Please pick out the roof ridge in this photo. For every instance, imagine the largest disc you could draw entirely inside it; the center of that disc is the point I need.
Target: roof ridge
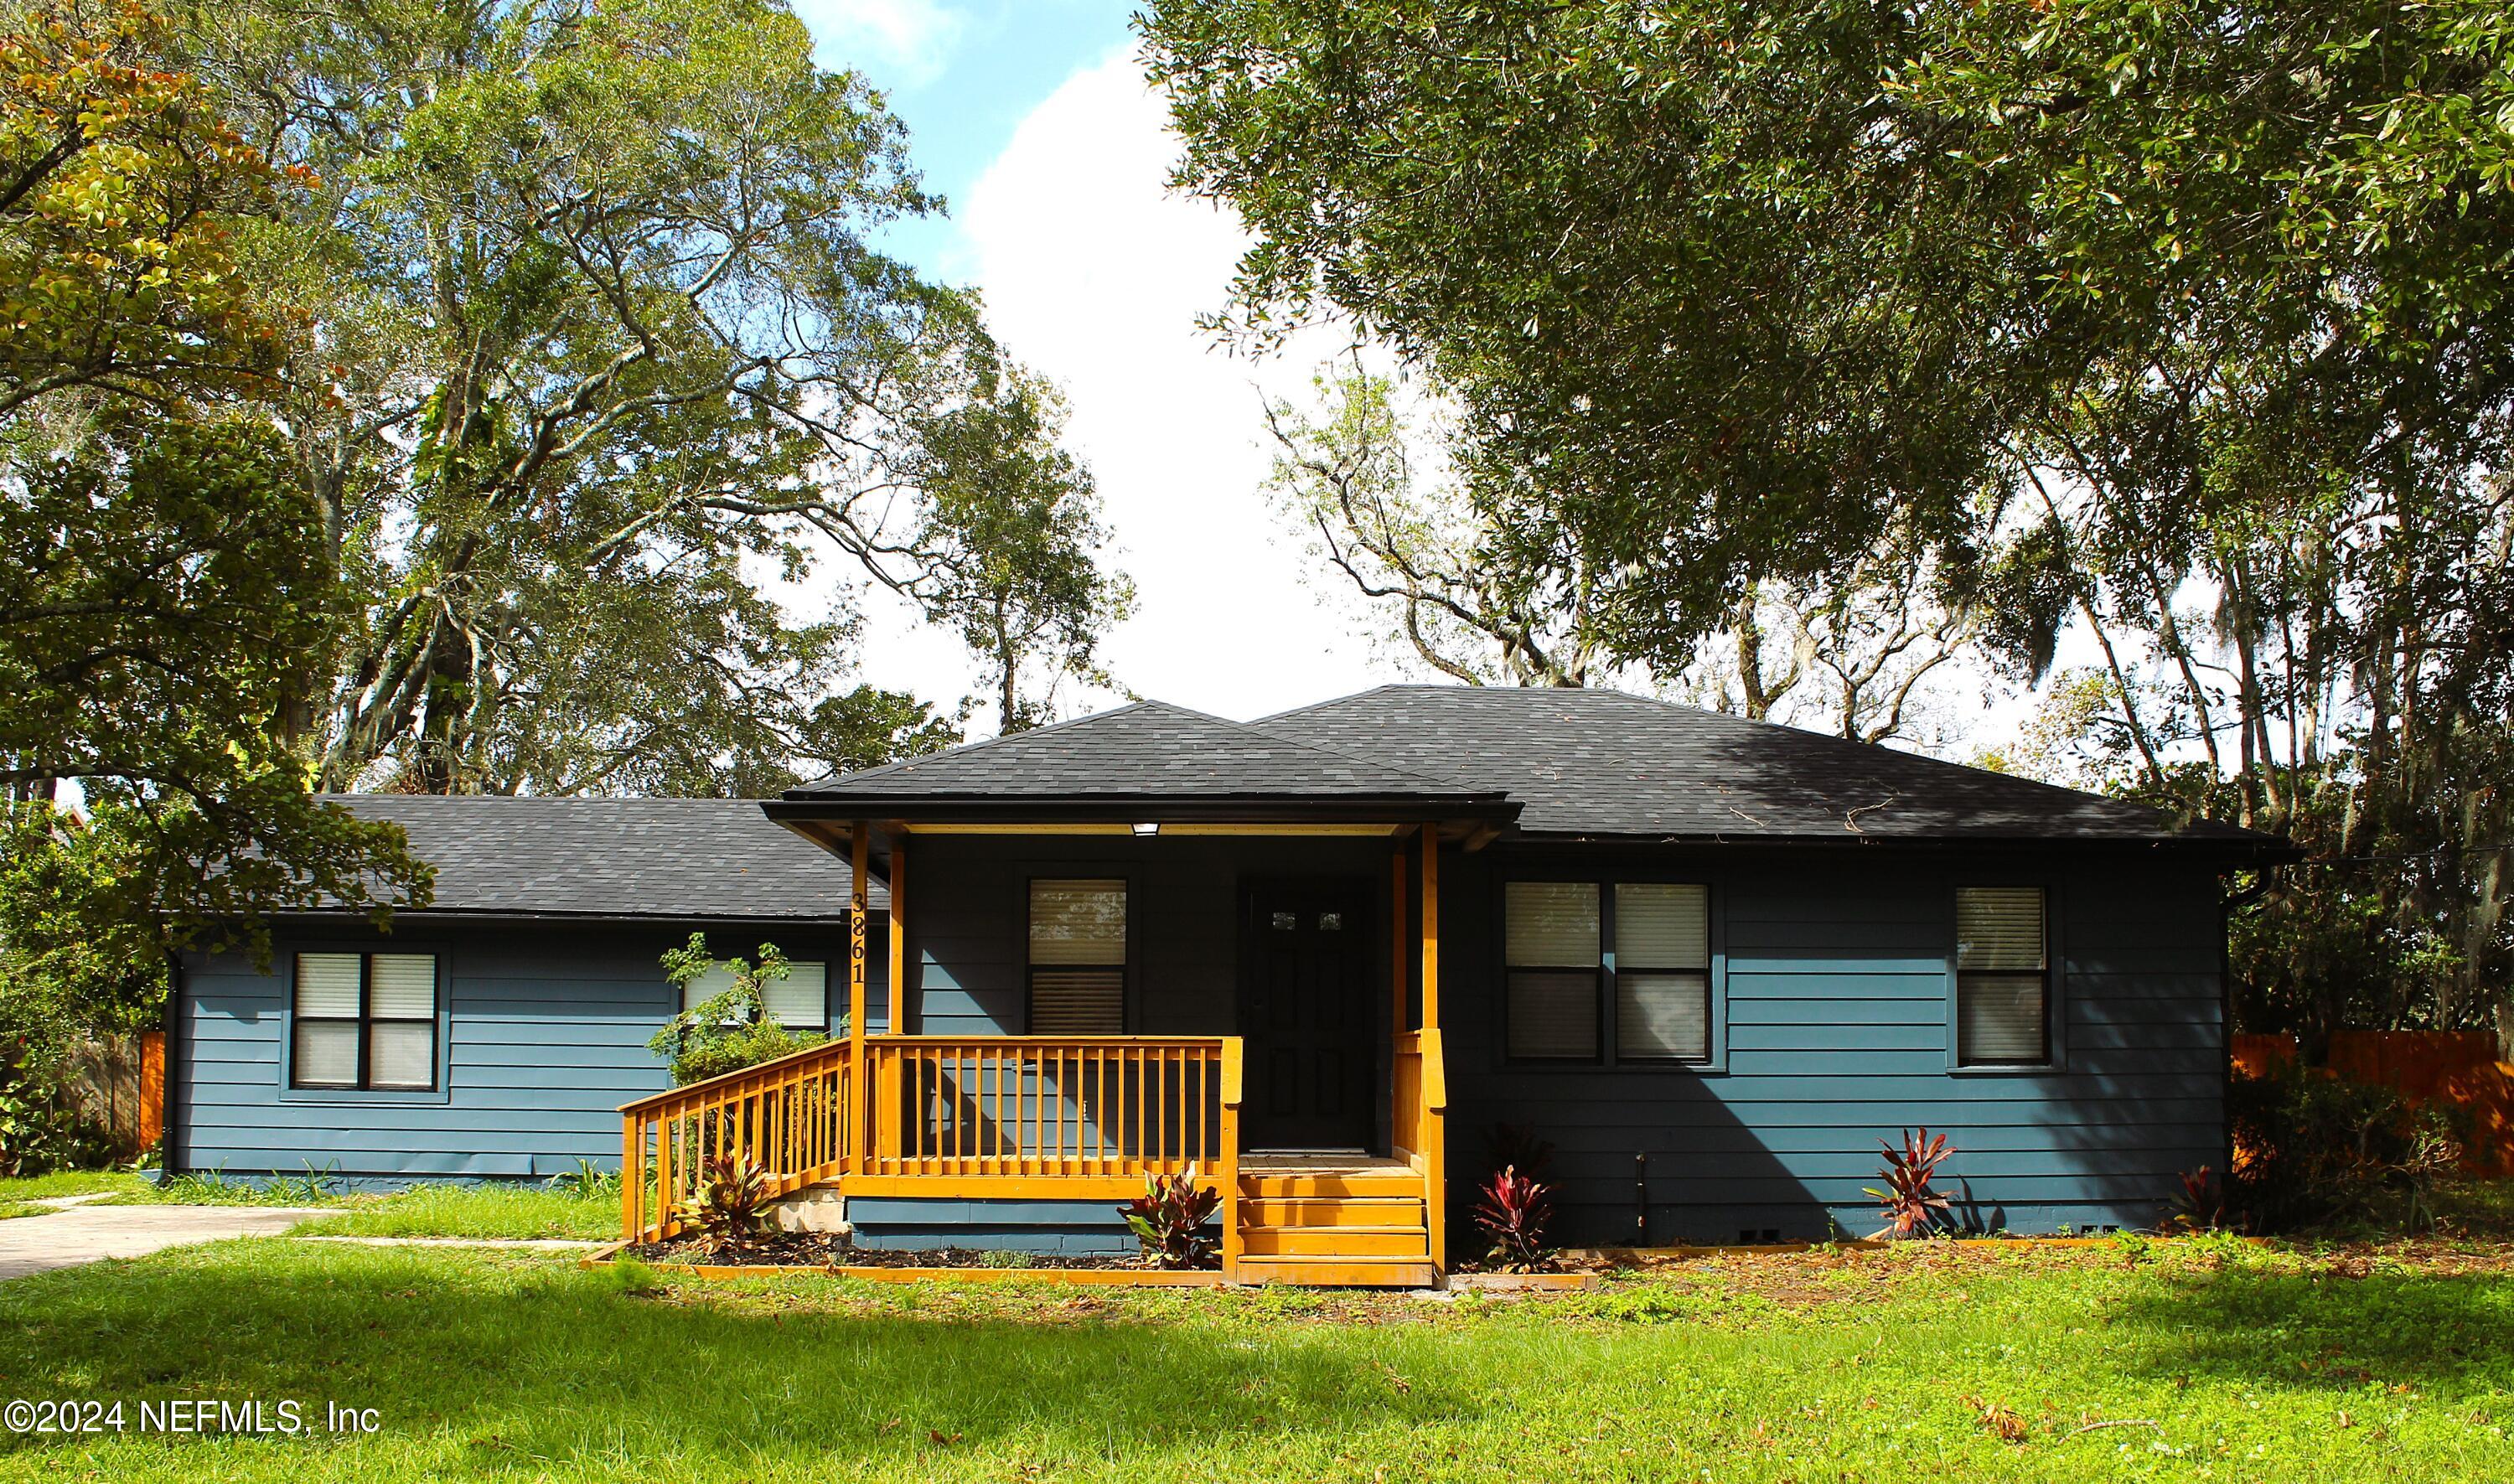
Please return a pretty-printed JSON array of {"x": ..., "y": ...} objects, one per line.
[
  {"x": 1240, "y": 730},
  {"x": 983, "y": 743}
]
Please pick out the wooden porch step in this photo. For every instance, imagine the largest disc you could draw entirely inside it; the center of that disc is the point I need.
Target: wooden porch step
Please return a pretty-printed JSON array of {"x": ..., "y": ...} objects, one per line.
[
  {"x": 1331, "y": 1211},
  {"x": 1338, "y": 1272},
  {"x": 1337, "y": 1242},
  {"x": 1351, "y": 1185}
]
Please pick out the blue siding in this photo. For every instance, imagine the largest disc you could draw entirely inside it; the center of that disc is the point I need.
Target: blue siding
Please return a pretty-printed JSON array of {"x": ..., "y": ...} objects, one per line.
[
  {"x": 1834, "y": 973},
  {"x": 1038, "y": 1227},
  {"x": 1837, "y": 983},
  {"x": 545, "y": 1036}
]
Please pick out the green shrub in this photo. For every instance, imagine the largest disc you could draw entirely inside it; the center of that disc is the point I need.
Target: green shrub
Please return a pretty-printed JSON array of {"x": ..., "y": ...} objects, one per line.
[
  {"x": 2316, "y": 1151},
  {"x": 729, "y": 1031}
]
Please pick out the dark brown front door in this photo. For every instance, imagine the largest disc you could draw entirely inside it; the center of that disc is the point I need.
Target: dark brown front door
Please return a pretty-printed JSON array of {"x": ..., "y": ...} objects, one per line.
[{"x": 1306, "y": 1003}]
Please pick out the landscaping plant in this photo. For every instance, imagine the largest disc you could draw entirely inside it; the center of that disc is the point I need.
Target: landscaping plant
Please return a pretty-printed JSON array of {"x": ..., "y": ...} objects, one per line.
[
  {"x": 2312, "y": 1149},
  {"x": 1515, "y": 1210},
  {"x": 1170, "y": 1219},
  {"x": 1914, "y": 1205},
  {"x": 2201, "y": 1205},
  {"x": 731, "y": 1209},
  {"x": 728, "y": 1031}
]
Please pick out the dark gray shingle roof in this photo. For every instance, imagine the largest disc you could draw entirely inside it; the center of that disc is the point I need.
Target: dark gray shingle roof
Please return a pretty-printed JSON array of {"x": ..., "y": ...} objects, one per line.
[
  {"x": 1598, "y": 762},
  {"x": 1148, "y": 750},
  {"x": 614, "y": 857}
]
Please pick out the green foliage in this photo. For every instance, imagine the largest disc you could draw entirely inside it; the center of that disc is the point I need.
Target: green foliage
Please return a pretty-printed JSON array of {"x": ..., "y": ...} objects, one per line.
[
  {"x": 157, "y": 582},
  {"x": 2184, "y": 324},
  {"x": 120, "y": 189},
  {"x": 729, "y": 1030},
  {"x": 1009, "y": 533},
  {"x": 39, "y": 1131},
  {"x": 2315, "y": 1150},
  {"x": 606, "y": 345},
  {"x": 1169, "y": 1219}
]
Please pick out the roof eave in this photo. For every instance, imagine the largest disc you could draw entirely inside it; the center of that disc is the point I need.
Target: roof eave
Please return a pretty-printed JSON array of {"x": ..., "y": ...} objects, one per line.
[
  {"x": 2261, "y": 850},
  {"x": 1128, "y": 809}
]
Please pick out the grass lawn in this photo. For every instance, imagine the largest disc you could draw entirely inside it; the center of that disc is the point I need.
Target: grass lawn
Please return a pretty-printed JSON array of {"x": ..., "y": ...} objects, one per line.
[
  {"x": 2251, "y": 1365},
  {"x": 475, "y": 1210},
  {"x": 75, "y": 1183}
]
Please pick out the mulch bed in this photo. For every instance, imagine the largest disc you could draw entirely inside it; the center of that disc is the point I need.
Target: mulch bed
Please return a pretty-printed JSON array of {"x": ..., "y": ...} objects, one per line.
[{"x": 812, "y": 1249}]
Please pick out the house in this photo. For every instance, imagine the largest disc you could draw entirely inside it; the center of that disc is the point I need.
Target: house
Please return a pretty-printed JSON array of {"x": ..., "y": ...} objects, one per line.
[{"x": 1320, "y": 956}]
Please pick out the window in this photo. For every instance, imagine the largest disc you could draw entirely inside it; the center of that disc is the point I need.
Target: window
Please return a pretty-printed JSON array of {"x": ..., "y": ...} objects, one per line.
[
  {"x": 365, "y": 1021},
  {"x": 2002, "y": 978},
  {"x": 800, "y": 1001},
  {"x": 1551, "y": 960},
  {"x": 1662, "y": 973},
  {"x": 1078, "y": 958}
]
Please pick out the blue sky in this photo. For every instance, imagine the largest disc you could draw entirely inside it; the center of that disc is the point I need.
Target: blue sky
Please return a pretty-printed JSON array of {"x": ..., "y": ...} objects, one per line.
[{"x": 963, "y": 77}]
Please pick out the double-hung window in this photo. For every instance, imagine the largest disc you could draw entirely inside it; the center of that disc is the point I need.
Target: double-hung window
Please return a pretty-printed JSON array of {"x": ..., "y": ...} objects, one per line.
[
  {"x": 2003, "y": 977},
  {"x": 1078, "y": 957},
  {"x": 1581, "y": 955},
  {"x": 364, "y": 1022},
  {"x": 800, "y": 1001},
  {"x": 1662, "y": 972}
]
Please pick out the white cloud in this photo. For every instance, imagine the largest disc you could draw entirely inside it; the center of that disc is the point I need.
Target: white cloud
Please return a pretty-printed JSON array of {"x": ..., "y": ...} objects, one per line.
[
  {"x": 895, "y": 43},
  {"x": 1094, "y": 273}
]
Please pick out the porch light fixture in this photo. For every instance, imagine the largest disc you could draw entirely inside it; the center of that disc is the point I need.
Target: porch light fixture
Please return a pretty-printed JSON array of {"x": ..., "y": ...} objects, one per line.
[{"x": 1148, "y": 829}]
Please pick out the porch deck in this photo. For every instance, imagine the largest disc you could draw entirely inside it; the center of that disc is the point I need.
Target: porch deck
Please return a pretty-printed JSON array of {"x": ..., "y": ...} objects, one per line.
[{"x": 1046, "y": 1119}]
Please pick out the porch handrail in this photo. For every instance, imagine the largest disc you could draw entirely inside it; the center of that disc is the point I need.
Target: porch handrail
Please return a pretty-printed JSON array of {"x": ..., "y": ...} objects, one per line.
[
  {"x": 1048, "y": 1107},
  {"x": 1419, "y": 1124},
  {"x": 793, "y": 1117}
]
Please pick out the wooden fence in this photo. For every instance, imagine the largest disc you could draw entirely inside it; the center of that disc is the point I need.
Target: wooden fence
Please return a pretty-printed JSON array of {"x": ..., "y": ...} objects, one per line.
[
  {"x": 2456, "y": 1066},
  {"x": 117, "y": 1085}
]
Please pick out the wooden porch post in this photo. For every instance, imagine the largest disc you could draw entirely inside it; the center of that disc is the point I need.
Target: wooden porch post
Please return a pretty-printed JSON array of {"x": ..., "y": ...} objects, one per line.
[
  {"x": 1401, "y": 972},
  {"x": 860, "y": 862},
  {"x": 632, "y": 1178},
  {"x": 1227, "y": 1177},
  {"x": 1430, "y": 927},
  {"x": 898, "y": 1024},
  {"x": 1436, "y": 1097}
]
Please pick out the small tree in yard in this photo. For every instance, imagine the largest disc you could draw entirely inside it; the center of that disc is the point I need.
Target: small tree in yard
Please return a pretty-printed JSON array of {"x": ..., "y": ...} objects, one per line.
[{"x": 727, "y": 1031}]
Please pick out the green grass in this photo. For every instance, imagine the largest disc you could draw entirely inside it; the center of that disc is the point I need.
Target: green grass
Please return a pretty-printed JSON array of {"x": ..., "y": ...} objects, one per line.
[
  {"x": 74, "y": 1182},
  {"x": 475, "y": 1210},
  {"x": 11, "y": 1209},
  {"x": 2251, "y": 1365}
]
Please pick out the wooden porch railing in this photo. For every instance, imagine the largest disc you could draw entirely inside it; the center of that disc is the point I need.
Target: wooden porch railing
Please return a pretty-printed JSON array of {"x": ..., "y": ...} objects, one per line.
[
  {"x": 1013, "y": 1116},
  {"x": 792, "y": 1117},
  {"x": 1020, "y": 1106},
  {"x": 1419, "y": 1124}
]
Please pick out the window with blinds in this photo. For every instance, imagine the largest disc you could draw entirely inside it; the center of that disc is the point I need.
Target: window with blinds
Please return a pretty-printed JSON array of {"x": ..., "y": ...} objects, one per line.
[
  {"x": 2003, "y": 977},
  {"x": 800, "y": 1001},
  {"x": 1662, "y": 973},
  {"x": 1552, "y": 965},
  {"x": 1078, "y": 957},
  {"x": 364, "y": 1022}
]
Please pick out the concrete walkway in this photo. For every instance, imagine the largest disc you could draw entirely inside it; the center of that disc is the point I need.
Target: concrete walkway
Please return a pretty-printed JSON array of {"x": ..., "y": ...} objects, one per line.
[{"x": 86, "y": 1233}]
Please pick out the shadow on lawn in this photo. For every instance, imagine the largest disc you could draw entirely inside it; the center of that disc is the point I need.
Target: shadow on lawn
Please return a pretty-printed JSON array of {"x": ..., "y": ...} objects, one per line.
[
  {"x": 543, "y": 1360},
  {"x": 2326, "y": 1329}
]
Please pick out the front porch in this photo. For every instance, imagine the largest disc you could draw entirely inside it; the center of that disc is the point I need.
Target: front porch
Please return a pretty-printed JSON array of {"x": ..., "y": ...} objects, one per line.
[{"x": 1022, "y": 1122}]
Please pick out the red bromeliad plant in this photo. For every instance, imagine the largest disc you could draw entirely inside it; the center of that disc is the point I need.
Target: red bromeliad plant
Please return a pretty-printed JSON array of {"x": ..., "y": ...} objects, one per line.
[
  {"x": 1514, "y": 1211},
  {"x": 1913, "y": 1205},
  {"x": 1170, "y": 1219},
  {"x": 732, "y": 1202}
]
